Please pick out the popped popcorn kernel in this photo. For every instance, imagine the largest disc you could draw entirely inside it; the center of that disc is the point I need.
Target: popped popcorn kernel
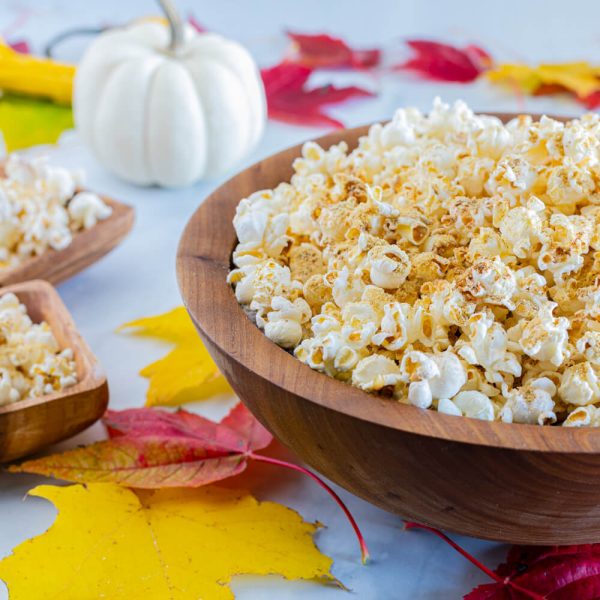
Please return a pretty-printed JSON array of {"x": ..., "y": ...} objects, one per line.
[{"x": 450, "y": 262}]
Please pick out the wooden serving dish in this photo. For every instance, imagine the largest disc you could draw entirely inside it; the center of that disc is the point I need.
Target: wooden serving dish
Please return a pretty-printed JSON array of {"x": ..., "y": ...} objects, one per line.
[
  {"x": 29, "y": 425},
  {"x": 515, "y": 483},
  {"x": 87, "y": 247}
]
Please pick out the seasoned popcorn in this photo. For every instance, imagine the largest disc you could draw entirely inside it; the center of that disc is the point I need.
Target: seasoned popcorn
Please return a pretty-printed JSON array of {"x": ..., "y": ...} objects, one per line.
[
  {"x": 450, "y": 262},
  {"x": 31, "y": 363},
  {"x": 40, "y": 208}
]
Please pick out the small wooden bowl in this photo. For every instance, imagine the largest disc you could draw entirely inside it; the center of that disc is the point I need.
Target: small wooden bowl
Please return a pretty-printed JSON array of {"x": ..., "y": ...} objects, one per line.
[
  {"x": 29, "y": 425},
  {"x": 86, "y": 248},
  {"x": 515, "y": 483}
]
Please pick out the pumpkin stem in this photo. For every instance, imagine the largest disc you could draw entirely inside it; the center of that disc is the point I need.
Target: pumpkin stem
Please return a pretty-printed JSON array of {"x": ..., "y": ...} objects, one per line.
[{"x": 175, "y": 24}]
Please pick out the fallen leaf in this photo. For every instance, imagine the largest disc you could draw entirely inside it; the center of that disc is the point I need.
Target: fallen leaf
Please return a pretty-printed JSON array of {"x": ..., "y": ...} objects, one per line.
[
  {"x": 289, "y": 100},
  {"x": 579, "y": 78},
  {"x": 150, "y": 448},
  {"x": 552, "y": 572},
  {"x": 108, "y": 542},
  {"x": 196, "y": 24},
  {"x": 155, "y": 449},
  {"x": 238, "y": 432},
  {"x": 187, "y": 373},
  {"x": 592, "y": 102},
  {"x": 26, "y": 122},
  {"x": 443, "y": 62},
  {"x": 21, "y": 46},
  {"x": 322, "y": 51}
]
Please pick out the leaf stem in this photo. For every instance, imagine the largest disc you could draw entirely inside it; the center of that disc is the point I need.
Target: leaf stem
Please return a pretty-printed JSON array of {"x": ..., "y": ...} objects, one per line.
[
  {"x": 364, "y": 551},
  {"x": 473, "y": 560}
]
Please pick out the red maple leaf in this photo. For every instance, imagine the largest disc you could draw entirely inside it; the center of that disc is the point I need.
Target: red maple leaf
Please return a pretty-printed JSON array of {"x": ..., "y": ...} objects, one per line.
[
  {"x": 443, "y": 62},
  {"x": 322, "y": 51},
  {"x": 551, "y": 572},
  {"x": 20, "y": 46},
  {"x": 536, "y": 572},
  {"x": 196, "y": 24},
  {"x": 591, "y": 102},
  {"x": 238, "y": 433},
  {"x": 289, "y": 100},
  {"x": 151, "y": 448}
]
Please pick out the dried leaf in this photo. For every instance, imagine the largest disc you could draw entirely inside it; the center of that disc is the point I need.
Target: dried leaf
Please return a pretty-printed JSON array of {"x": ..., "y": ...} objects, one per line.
[
  {"x": 187, "y": 373},
  {"x": 443, "y": 62},
  {"x": 108, "y": 542},
  {"x": 26, "y": 122},
  {"x": 289, "y": 100},
  {"x": 155, "y": 449},
  {"x": 580, "y": 78},
  {"x": 323, "y": 51}
]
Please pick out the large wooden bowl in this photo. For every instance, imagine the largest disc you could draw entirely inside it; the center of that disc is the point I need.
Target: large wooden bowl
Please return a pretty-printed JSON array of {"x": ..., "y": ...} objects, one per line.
[{"x": 514, "y": 483}]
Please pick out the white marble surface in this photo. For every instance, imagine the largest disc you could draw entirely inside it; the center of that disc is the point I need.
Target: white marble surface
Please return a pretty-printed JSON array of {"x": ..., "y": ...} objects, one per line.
[{"x": 139, "y": 277}]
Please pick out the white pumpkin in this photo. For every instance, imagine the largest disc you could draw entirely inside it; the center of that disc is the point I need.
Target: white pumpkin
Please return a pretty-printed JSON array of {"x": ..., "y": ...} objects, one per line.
[{"x": 159, "y": 110}]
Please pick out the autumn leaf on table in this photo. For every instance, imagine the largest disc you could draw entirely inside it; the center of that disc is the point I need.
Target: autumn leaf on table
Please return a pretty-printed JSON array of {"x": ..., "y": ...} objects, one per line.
[
  {"x": 155, "y": 449},
  {"x": 20, "y": 46},
  {"x": 579, "y": 78},
  {"x": 26, "y": 122},
  {"x": 291, "y": 101},
  {"x": 552, "y": 572},
  {"x": 443, "y": 62},
  {"x": 110, "y": 542},
  {"x": 536, "y": 572},
  {"x": 187, "y": 373},
  {"x": 151, "y": 448},
  {"x": 322, "y": 51}
]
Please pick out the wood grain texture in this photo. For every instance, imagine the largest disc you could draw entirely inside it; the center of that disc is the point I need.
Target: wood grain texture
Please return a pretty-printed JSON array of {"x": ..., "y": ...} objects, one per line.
[
  {"x": 87, "y": 247},
  {"x": 29, "y": 425},
  {"x": 514, "y": 483}
]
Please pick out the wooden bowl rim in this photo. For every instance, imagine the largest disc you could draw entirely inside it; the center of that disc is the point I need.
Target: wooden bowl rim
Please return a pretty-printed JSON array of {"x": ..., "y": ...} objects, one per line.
[
  {"x": 94, "y": 376},
  {"x": 198, "y": 253}
]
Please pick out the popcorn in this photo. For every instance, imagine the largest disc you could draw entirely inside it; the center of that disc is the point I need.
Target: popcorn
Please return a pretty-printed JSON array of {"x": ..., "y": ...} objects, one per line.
[
  {"x": 41, "y": 209},
  {"x": 431, "y": 377},
  {"x": 580, "y": 385},
  {"x": 531, "y": 403},
  {"x": 589, "y": 346},
  {"x": 375, "y": 373},
  {"x": 449, "y": 261},
  {"x": 283, "y": 324},
  {"x": 31, "y": 362},
  {"x": 486, "y": 345},
  {"x": 489, "y": 281},
  {"x": 583, "y": 416},
  {"x": 522, "y": 226},
  {"x": 566, "y": 241},
  {"x": 86, "y": 209},
  {"x": 474, "y": 404},
  {"x": 544, "y": 337},
  {"x": 389, "y": 266}
]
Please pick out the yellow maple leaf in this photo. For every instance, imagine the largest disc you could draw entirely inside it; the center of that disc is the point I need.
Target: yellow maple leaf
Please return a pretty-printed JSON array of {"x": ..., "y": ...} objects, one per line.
[
  {"x": 108, "y": 542},
  {"x": 187, "y": 373},
  {"x": 581, "y": 78}
]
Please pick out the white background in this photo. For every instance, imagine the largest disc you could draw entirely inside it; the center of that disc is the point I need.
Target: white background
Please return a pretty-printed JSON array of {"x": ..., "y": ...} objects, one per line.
[{"x": 139, "y": 277}]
